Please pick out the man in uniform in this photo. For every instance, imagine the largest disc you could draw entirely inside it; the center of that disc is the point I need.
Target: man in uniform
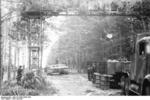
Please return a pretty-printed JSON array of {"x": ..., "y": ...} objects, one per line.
[
  {"x": 19, "y": 74},
  {"x": 89, "y": 72},
  {"x": 2, "y": 73},
  {"x": 93, "y": 71}
]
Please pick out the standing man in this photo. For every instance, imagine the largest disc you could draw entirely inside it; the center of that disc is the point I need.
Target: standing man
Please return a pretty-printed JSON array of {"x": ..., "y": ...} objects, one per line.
[
  {"x": 89, "y": 72},
  {"x": 2, "y": 73},
  {"x": 19, "y": 74},
  {"x": 93, "y": 71}
]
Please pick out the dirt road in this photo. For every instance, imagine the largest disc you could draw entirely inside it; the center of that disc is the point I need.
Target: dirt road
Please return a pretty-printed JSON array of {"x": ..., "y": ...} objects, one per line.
[{"x": 77, "y": 85}]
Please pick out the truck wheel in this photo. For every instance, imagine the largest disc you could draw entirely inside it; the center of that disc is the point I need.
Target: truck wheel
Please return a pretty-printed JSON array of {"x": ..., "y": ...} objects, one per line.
[
  {"x": 147, "y": 90},
  {"x": 146, "y": 87}
]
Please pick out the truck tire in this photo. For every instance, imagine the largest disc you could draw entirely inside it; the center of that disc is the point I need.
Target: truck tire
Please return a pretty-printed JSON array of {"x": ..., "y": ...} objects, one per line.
[
  {"x": 146, "y": 87},
  {"x": 147, "y": 90}
]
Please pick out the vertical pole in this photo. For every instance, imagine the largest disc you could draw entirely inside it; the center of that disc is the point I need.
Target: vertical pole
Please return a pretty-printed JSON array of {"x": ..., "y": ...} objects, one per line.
[
  {"x": 120, "y": 42},
  {"x": 144, "y": 26},
  {"x": 103, "y": 50},
  {"x": 18, "y": 53},
  {"x": 41, "y": 43},
  {"x": 29, "y": 50},
  {"x": 15, "y": 64},
  {"x": 143, "y": 22},
  {"x": 10, "y": 53},
  {"x": 0, "y": 52},
  {"x": 40, "y": 67},
  {"x": 9, "y": 72},
  {"x": 29, "y": 60},
  {"x": 132, "y": 30}
]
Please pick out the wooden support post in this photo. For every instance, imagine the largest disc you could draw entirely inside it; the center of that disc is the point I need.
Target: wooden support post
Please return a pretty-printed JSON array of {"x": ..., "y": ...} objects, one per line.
[
  {"x": 0, "y": 53},
  {"x": 15, "y": 62},
  {"x": 41, "y": 43},
  {"x": 9, "y": 72},
  {"x": 29, "y": 44}
]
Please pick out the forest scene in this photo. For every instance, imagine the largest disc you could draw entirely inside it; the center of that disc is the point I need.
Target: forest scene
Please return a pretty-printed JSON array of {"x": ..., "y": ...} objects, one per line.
[{"x": 81, "y": 40}]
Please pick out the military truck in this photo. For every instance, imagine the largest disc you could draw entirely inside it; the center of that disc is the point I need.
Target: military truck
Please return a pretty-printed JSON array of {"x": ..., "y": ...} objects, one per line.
[{"x": 137, "y": 80}]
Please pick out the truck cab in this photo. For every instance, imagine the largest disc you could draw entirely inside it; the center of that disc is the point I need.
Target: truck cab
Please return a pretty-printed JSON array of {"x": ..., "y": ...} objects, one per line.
[{"x": 140, "y": 72}]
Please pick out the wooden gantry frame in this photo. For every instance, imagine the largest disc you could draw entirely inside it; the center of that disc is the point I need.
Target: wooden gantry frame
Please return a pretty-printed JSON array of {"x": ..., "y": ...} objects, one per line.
[{"x": 35, "y": 48}]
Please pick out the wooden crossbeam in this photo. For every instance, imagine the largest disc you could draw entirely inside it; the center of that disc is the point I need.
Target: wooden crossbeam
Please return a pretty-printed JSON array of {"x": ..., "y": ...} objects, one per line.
[
  {"x": 99, "y": 14},
  {"x": 49, "y": 13}
]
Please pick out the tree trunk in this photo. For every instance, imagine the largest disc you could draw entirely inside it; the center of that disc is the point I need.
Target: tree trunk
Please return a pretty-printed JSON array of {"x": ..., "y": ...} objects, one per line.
[
  {"x": 145, "y": 25},
  {"x": 29, "y": 44},
  {"x": 15, "y": 62},
  {"x": 0, "y": 53},
  {"x": 9, "y": 72}
]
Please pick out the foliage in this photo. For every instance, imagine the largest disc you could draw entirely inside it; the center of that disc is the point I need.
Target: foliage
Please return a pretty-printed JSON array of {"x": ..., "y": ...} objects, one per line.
[
  {"x": 31, "y": 5},
  {"x": 82, "y": 43},
  {"x": 87, "y": 37},
  {"x": 40, "y": 87},
  {"x": 12, "y": 89},
  {"x": 141, "y": 10},
  {"x": 19, "y": 91},
  {"x": 35, "y": 33},
  {"x": 31, "y": 81}
]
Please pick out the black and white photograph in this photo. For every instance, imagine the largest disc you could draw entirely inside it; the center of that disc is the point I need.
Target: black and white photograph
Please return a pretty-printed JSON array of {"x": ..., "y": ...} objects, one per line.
[{"x": 74, "y": 48}]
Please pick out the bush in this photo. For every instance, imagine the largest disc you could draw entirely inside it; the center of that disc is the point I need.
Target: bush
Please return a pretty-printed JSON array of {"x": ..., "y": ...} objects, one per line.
[
  {"x": 8, "y": 84},
  {"x": 19, "y": 91},
  {"x": 32, "y": 81},
  {"x": 31, "y": 85}
]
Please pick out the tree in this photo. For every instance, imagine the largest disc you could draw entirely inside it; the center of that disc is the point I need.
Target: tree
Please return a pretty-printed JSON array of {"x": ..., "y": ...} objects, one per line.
[
  {"x": 83, "y": 41},
  {"x": 0, "y": 53},
  {"x": 142, "y": 13},
  {"x": 19, "y": 30}
]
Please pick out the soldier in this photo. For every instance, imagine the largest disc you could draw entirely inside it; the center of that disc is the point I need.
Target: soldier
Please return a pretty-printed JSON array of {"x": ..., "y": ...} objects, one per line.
[
  {"x": 19, "y": 74},
  {"x": 93, "y": 71},
  {"x": 2, "y": 73},
  {"x": 89, "y": 72}
]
